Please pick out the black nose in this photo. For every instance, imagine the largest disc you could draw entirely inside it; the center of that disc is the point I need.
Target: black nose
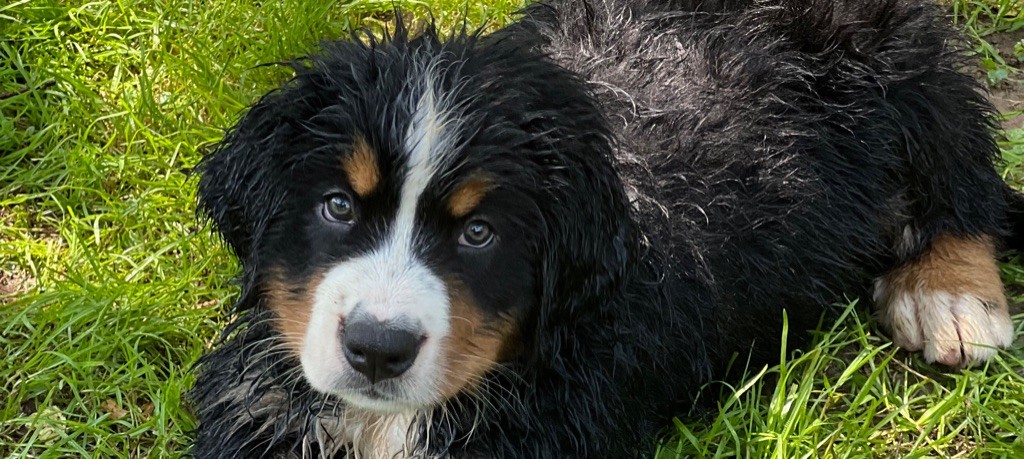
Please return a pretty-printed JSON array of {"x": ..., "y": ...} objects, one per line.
[{"x": 379, "y": 351}]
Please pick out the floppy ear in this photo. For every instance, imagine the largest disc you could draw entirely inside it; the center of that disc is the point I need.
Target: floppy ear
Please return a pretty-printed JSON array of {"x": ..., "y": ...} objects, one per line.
[
  {"x": 587, "y": 255},
  {"x": 221, "y": 194},
  {"x": 236, "y": 179}
]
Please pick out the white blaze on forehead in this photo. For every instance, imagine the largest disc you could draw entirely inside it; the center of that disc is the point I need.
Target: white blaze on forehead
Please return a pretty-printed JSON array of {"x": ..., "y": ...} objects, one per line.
[
  {"x": 391, "y": 283},
  {"x": 428, "y": 144}
]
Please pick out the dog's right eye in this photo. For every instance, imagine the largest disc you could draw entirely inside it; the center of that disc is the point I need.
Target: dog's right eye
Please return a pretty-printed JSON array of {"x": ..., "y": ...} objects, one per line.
[{"x": 339, "y": 208}]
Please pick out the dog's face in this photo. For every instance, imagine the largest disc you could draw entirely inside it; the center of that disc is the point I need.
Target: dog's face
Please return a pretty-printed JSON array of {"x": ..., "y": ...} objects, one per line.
[
  {"x": 403, "y": 268},
  {"x": 403, "y": 211}
]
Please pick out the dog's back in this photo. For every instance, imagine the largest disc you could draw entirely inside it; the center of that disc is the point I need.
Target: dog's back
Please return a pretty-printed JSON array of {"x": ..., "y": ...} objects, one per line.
[{"x": 797, "y": 148}]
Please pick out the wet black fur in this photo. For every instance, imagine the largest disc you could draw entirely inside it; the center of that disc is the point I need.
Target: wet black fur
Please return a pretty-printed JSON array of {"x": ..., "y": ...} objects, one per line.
[{"x": 688, "y": 170}]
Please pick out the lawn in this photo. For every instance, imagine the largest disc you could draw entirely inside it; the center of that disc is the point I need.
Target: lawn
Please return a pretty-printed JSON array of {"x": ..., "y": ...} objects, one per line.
[{"x": 110, "y": 288}]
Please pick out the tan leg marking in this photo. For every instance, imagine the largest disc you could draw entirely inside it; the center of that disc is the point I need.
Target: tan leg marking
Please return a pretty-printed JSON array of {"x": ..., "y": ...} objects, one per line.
[{"x": 949, "y": 302}]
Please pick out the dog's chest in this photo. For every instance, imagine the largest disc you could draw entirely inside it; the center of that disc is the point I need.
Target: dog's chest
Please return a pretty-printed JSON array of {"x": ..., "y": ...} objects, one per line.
[{"x": 374, "y": 435}]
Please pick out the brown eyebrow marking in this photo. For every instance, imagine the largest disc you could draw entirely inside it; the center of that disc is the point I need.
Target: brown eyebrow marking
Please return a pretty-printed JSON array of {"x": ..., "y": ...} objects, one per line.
[
  {"x": 361, "y": 167},
  {"x": 468, "y": 195}
]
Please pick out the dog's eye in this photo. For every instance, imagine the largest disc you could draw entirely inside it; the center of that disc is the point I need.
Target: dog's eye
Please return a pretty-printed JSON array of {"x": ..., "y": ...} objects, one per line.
[
  {"x": 339, "y": 208},
  {"x": 477, "y": 234}
]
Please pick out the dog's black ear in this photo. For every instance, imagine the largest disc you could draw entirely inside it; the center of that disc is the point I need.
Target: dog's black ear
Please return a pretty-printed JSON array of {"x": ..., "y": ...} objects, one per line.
[
  {"x": 221, "y": 199},
  {"x": 237, "y": 178},
  {"x": 237, "y": 185},
  {"x": 590, "y": 247},
  {"x": 590, "y": 242}
]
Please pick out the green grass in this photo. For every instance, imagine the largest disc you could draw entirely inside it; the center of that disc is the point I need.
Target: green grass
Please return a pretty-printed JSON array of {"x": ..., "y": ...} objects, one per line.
[
  {"x": 853, "y": 395},
  {"x": 982, "y": 18},
  {"x": 110, "y": 288}
]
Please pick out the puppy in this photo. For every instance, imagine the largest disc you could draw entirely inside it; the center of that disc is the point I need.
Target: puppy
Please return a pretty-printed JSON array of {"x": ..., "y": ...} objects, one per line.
[{"x": 544, "y": 241}]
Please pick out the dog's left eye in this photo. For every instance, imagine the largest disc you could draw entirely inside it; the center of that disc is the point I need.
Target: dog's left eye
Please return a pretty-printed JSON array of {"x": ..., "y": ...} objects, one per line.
[
  {"x": 477, "y": 234},
  {"x": 339, "y": 208}
]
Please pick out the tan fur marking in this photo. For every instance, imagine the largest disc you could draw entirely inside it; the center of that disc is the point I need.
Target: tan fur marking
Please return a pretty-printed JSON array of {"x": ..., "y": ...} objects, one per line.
[
  {"x": 468, "y": 195},
  {"x": 292, "y": 305},
  {"x": 956, "y": 265},
  {"x": 474, "y": 345},
  {"x": 361, "y": 167}
]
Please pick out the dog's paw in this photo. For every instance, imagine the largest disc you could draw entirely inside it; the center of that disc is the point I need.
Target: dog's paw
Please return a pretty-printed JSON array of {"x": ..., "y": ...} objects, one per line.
[
  {"x": 949, "y": 303},
  {"x": 951, "y": 329}
]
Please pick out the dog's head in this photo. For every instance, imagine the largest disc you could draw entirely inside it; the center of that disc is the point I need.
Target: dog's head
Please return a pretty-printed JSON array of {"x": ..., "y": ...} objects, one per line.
[{"x": 413, "y": 213}]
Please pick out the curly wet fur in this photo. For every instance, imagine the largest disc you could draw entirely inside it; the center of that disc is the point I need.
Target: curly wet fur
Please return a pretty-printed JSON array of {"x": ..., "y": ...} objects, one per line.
[{"x": 696, "y": 167}]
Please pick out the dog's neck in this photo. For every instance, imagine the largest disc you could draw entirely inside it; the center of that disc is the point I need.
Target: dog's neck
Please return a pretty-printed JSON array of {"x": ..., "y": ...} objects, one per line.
[{"x": 374, "y": 435}]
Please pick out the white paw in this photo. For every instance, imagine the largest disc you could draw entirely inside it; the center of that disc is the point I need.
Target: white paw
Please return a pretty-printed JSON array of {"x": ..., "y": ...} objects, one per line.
[{"x": 951, "y": 329}]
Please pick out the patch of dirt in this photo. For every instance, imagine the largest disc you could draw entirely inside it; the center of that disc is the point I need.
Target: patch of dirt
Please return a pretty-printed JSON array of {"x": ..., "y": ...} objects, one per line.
[
  {"x": 1008, "y": 95},
  {"x": 14, "y": 283}
]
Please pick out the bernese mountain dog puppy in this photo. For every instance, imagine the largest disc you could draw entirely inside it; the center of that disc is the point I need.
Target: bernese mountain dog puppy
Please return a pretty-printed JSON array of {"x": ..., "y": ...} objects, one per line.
[{"x": 544, "y": 241}]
